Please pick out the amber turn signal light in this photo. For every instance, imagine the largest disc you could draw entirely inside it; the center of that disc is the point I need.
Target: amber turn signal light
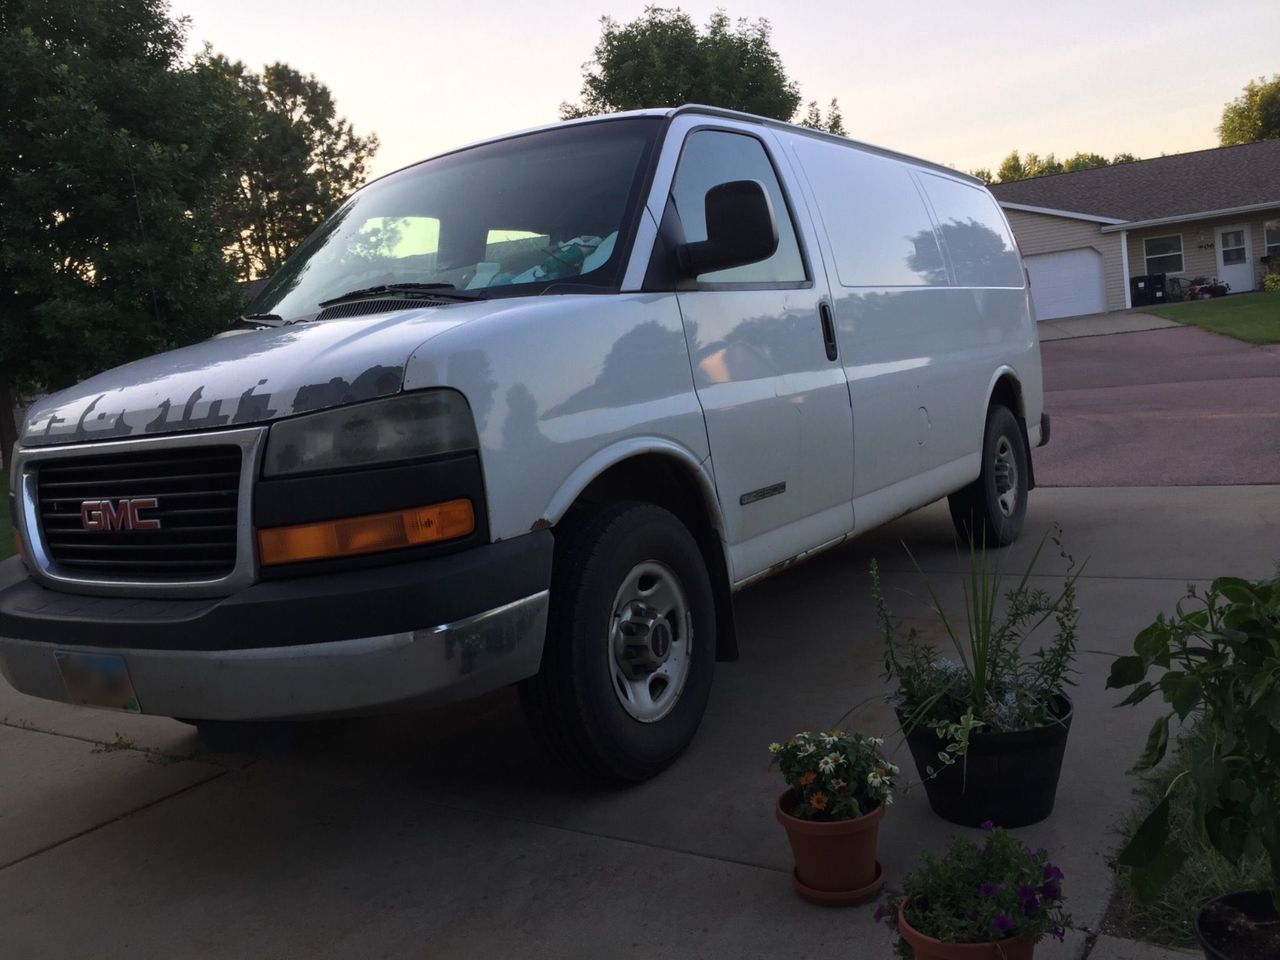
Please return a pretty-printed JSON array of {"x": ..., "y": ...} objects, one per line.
[{"x": 353, "y": 536}]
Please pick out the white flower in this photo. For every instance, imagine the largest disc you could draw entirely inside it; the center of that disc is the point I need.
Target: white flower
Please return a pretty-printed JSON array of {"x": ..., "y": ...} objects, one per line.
[
  {"x": 876, "y": 741},
  {"x": 804, "y": 749},
  {"x": 876, "y": 777},
  {"x": 828, "y": 763},
  {"x": 775, "y": 748},
  {"x": 888, "y": 799}
]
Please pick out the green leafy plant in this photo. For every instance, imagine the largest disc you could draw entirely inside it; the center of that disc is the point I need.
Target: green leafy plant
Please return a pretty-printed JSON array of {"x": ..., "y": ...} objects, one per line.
[
  {"x": 835, "y": 776},
  {"x": 993, "y": 683},
  {"x": 1271, "y": 283},
  {"x": 1220, "y": 657},
  {"x": 982, "y": 892}
]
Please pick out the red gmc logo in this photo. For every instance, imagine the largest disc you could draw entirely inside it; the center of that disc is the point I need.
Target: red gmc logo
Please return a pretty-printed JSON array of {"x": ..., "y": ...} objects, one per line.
[{"x": 119, "y": 514}]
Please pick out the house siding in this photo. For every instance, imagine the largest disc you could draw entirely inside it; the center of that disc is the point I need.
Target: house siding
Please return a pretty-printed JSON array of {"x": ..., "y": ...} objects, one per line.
[
  {"x": 1044, "y": 233},
  {"x": 1199, "y": 253}
]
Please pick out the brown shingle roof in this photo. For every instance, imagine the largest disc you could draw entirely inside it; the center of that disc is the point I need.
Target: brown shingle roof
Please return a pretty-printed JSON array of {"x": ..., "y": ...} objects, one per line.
[{"x": 1177, "y": 185}]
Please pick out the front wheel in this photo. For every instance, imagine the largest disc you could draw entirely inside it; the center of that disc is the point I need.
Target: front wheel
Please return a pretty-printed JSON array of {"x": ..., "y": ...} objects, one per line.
[
  {"x": 989, "y": 512},
  {"x": 630, "y": 646}
]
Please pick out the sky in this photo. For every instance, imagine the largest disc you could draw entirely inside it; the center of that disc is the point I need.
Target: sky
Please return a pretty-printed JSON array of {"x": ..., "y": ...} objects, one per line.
[{"x": 960, "y": 83}]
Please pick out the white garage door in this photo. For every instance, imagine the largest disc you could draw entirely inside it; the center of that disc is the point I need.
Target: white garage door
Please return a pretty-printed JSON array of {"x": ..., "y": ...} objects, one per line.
[{"x": 1067, "y": 283}]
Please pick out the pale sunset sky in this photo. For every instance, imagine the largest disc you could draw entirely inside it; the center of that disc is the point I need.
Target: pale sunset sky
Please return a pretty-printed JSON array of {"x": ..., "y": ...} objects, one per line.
[{"x": 957, "y": 82}]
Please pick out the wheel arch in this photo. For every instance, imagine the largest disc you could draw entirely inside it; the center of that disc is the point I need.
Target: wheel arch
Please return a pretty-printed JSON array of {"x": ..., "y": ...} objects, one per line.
[
  {"x": 670, "y": 476},
  {"x": 1005, "y": 389}
]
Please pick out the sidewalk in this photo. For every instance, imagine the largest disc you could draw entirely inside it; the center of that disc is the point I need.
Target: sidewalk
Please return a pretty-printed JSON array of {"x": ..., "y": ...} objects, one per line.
[
  {"x": 1114, "y": 948},
  {"x": 1101, "y": 324}
]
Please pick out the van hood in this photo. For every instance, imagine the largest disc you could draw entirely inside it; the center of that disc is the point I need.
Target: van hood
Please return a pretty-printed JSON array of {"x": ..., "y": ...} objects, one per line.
[{"x": 248, "y": 377}]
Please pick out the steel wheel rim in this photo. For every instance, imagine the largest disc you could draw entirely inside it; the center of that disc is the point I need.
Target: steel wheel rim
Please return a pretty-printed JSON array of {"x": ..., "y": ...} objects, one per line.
[
  {"x": 650, "y": 641},
  {"x": 1004, "y": 470}
]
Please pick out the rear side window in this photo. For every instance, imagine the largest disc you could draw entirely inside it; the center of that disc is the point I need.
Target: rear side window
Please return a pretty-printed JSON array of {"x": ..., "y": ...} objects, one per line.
[
  {"x": 876, "y": 221},
  {"x": 975, "y": 234},
  {"x": 713, "y": 157}
]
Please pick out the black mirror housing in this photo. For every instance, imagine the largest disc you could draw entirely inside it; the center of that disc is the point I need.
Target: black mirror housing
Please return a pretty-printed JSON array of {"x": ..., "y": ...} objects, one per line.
[{"x": 741, "y": 229}]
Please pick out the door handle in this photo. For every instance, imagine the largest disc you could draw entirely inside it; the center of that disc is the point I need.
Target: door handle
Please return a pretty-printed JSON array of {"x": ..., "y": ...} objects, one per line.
[{"x": 828, "y": 330}]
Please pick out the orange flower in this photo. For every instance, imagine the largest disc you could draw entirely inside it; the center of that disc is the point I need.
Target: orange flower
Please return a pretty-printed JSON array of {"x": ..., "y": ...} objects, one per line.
[
  {"x": 807, "y": 778},
  {"x": 818, "y": 800}
]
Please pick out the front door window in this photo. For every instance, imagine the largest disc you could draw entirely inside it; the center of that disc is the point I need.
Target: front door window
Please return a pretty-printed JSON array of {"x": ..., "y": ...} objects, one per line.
[{"x": 1233, "y": 248}]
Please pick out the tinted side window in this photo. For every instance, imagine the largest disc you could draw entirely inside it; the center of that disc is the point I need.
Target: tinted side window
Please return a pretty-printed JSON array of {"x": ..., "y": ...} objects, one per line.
[
  {"x": 975, "y": 234},
  {"x": 712, "y": 157},
  {"x": 878, "y": 226}
]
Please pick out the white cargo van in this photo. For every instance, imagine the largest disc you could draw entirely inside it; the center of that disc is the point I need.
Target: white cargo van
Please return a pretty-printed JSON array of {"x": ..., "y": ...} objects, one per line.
[{"x": 531, "y": 412}]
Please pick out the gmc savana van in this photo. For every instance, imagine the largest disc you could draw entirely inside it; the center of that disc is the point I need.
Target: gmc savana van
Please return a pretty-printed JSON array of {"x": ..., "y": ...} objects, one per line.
[{"x": 530, "y": 412}]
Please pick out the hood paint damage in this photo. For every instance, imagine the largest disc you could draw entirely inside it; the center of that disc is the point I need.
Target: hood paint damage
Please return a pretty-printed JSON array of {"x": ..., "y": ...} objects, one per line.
[{"x": 246, "y": 378}]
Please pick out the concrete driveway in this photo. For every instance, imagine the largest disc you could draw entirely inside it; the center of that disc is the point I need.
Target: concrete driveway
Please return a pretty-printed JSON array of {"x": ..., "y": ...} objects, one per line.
[{"x": 449, "y": 834}]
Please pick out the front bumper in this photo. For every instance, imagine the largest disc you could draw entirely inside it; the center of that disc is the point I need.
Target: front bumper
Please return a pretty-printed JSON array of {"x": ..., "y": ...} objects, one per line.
[{"x": 418, "y": 633}]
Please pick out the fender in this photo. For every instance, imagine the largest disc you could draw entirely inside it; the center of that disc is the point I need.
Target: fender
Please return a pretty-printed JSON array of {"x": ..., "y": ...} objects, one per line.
[
  {"x": 603, "y": 459},
  {"x": 1021, "y": 413}
]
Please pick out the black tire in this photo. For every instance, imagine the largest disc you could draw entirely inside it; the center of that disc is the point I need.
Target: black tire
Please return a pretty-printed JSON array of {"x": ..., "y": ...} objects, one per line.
[
  {"x": 980, "y": 516},
  {"x": 573, "y": 704}
]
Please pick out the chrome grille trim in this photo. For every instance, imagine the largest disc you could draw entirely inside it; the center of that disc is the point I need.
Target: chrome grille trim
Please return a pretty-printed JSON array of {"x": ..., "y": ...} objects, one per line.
[{"x": 46, "y": 569}]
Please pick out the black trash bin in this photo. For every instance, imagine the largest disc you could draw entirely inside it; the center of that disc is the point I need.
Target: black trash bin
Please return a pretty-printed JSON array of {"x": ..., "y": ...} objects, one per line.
[{"x": 1147, "y": 290}]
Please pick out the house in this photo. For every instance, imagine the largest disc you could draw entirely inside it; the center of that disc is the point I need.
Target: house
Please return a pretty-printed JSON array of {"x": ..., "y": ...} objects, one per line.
[{"x": 1085, "y": 235}]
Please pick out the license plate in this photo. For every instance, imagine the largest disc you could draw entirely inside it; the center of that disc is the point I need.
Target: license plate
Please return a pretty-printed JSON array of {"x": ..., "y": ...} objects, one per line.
[{"x": 97, "y": 680}]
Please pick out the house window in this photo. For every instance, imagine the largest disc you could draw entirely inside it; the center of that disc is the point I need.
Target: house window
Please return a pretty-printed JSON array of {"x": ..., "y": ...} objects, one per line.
[
  {"x": 1163, "y": 254},
  {"x": 1271, "y": 237}
]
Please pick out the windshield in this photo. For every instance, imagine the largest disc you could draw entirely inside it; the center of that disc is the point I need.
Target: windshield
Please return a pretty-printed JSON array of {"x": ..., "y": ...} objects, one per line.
[{"x": 507, "y": 218}]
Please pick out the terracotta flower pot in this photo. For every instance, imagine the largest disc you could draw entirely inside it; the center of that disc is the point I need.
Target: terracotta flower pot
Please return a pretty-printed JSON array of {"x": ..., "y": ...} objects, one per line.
[
  {"x": 835, "y": 860},
  {"x": 927, "y": 948}
]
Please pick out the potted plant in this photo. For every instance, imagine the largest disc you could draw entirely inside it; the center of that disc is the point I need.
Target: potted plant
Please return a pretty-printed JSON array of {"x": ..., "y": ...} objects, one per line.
[
  {"x": 838, "y": 786},
  {"x": 993, "y": 900},
  {"x": 988, "y": 727},
  {"x": 1219, "y": 657}
]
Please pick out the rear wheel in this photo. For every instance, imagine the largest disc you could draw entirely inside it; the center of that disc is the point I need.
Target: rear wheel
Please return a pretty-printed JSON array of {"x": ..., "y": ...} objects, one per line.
[
  {"x": 630, "y": 647},
  {"x": 990, "y": 510}
]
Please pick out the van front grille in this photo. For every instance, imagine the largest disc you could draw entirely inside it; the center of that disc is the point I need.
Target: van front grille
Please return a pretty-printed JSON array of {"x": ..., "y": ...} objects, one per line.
[{"x": 158, "y": 515}]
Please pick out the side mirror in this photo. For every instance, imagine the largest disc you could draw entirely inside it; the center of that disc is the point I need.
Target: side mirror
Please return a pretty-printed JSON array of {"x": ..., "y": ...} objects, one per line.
[{"x": 741, "y": 229}]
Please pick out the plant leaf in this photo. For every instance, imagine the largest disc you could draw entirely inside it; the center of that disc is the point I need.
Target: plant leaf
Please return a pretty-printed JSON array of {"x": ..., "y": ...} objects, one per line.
[
  {"x": 1182, "y": 692},
  {"x": 1157, "y": 744},
  {"x": 1149, "y": 840},
  {"x": 1140, "y": 693},
  {"x": 1126, "y": 671},
  {"x": 1153, "y": 875}
]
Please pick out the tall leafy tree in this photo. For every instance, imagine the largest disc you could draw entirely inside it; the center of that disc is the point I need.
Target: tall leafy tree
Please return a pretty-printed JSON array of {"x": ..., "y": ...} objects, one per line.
[
  {"x": 661, "y": 59},
  {"x": 1016, "y": 166},
  {"x": 302, "y": 160},
  {"x": 833, "y": 123},
  {"x": 1254, "y": 115},
  {"x": 111, "y": 151}
]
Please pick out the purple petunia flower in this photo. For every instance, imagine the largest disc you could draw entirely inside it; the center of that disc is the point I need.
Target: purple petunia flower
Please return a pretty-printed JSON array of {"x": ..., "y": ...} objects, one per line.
[
  {"x": 988, "y": 889},
  {"x": 971, "y": 913},
  {"x": 1051, "y": 872},
  {"x": 988, "y": 825},
  {"x": 1050, "y": 891},
  {"x": 879, "y": 915},
  {"x": 1030, "y": 902},
  {"x": 1060, "y": 933},
  {"x": 1003, "y": 923}
]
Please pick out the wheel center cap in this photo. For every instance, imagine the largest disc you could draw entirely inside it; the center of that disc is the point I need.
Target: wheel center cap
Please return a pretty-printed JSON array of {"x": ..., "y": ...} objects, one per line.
[{"x": 660, "y": 640}]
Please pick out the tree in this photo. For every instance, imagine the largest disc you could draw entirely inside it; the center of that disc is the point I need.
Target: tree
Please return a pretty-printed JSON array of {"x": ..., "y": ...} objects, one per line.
[
  {"x": 301, "y": 163},
  {"x": 1017, "y": 167},
  {"x": 111, "y": 153},
  {"x": 834, "y": 123},
  {"x": 662, "y": 60},
  {"x": 1254, "y": 115}
]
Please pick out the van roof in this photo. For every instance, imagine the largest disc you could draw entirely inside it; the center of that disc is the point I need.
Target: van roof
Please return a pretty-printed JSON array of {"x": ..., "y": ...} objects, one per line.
[{"x": 699, "y": 108}]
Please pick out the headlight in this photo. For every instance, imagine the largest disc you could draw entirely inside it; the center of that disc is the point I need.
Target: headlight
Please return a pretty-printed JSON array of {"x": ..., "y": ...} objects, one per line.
[{"x": 407, "y": 427}]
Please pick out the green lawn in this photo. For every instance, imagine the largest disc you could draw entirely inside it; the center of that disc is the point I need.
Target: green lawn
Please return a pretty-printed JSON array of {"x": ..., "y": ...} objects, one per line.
[
  {"x": 1251, "y": 317},
  {"x": 6, "y": 526}
]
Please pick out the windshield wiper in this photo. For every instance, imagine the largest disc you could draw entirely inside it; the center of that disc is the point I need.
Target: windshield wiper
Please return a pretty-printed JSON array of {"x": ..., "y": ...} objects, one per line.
[
  {"x": 263, "y": 320},
  {"x": 409, "y": 291}
]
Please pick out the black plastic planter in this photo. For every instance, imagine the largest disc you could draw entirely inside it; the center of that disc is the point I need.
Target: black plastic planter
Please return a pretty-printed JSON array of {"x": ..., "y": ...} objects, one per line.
[
  {"x": 1222, "y": 934},
  {"x": 1010, "y": 779}
]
